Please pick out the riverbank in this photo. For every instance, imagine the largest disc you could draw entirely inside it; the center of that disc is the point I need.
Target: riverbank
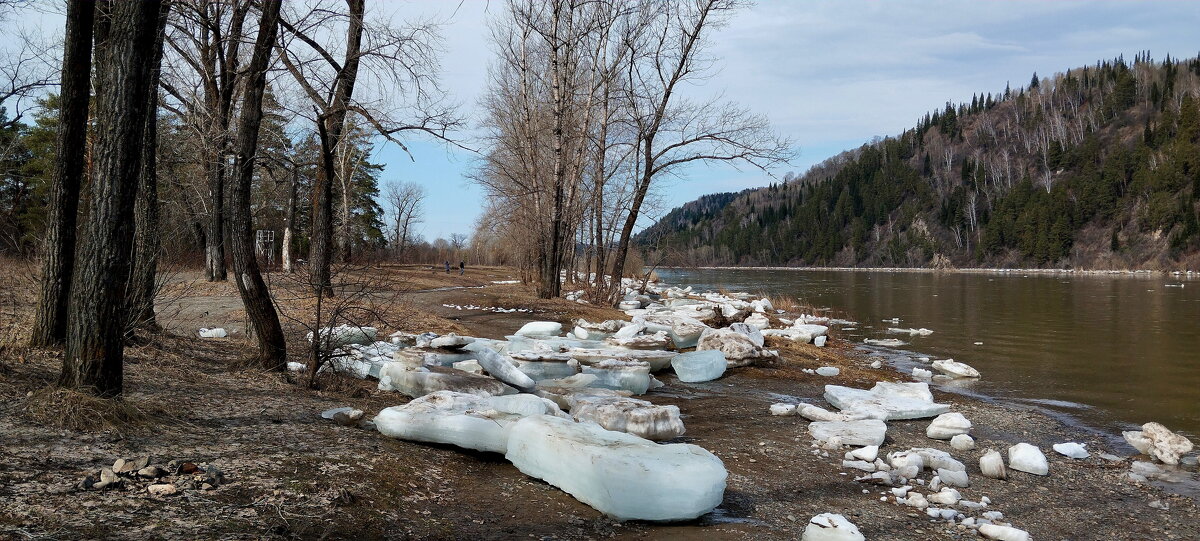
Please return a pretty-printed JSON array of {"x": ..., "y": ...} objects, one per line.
[{"x": 290, "y": 474}]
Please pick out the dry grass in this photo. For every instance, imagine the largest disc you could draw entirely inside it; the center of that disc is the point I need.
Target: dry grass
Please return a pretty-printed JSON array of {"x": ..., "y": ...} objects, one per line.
[{"x": 82, "y": 412}]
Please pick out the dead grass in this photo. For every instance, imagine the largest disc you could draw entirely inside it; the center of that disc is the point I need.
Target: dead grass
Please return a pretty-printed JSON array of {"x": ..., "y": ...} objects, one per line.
[{"x": 82, "y": 412}]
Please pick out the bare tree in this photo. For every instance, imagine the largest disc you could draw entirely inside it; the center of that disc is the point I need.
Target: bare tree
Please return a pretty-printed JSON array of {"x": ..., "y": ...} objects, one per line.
[
  {"x": 402, "y": 57},
  {"x": 672, "y": 130},
  {"x": 142, "y": 284},
  {"x": 95, "y": 333},
  {"x": 256, "y": 297},
  {"x": 404, "y": 201},
  {"x": 203, "y": 73},
  {"x": 50, "y": 325}
]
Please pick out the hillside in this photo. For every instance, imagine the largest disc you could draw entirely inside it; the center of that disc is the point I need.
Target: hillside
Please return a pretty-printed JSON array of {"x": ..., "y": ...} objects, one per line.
[{"x": 1097, "y": 167}]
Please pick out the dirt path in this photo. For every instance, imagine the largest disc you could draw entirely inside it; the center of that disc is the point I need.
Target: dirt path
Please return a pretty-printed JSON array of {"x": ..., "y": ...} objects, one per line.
[{"x": 288, "y": 474}]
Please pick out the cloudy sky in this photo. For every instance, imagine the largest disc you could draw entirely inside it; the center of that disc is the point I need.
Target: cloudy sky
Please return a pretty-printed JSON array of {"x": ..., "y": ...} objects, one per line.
[
  {"x": 833, "y": 74},
  {"x": 830, "y": 74}
]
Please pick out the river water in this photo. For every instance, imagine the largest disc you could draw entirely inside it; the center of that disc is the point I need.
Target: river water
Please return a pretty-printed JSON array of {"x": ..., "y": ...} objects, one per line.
[{"x": 1109, "y": 351}]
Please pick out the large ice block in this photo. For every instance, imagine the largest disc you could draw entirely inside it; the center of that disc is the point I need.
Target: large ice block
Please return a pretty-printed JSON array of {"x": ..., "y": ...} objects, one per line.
[
  {"x": 464, "y": 420},
  {"x": 619, "y": 474}
]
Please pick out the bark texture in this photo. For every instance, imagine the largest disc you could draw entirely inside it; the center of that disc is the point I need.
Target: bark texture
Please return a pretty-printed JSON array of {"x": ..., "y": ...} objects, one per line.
[
  {"x": 50, "y": 325},
  {"x": 95, "y": 330},
  {"x": 256, "y": 297}
]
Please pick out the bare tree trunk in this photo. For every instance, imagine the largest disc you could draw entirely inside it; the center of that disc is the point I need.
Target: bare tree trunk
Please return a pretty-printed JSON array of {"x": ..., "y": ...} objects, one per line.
[
  {"x": 95, "y": 347},
  {"x": 333, "y": 123},
  {"x": 50, "y": 325},
  {"x": 147, "y": 234},
  {"x": 272, "y": 349},
  {"x": 290, "y": 224}
]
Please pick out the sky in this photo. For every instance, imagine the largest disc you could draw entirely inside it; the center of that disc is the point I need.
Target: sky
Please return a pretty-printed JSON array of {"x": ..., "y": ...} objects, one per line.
[{"x": 831, "y": 75}]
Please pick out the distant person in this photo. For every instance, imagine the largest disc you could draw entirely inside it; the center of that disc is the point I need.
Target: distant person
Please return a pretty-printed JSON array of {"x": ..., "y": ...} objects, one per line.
[
  {"x": 447, "y": 266},
  {"x": 462, "y": 268}
]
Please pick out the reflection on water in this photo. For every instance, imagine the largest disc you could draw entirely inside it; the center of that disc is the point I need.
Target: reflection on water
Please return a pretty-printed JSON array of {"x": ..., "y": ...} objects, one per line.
[{"x": 1114, "y": 350}]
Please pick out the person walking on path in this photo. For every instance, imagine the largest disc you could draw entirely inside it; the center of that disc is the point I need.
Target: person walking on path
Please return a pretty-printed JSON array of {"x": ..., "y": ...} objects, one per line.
[
  {"x": 462, "y": 268},
  {"x": 447, "y": 266}
]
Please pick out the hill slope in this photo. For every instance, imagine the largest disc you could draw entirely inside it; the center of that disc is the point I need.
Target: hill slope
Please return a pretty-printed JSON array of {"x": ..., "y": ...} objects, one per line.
[{"x": 1098, "y": 167}]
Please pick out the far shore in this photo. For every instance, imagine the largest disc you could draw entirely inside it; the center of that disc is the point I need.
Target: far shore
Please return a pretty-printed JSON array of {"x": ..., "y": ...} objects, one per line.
[{"x": 970, "y": 270}]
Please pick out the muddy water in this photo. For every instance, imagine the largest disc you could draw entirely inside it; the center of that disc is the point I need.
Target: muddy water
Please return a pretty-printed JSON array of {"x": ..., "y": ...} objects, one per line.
[{"x": 1109, "y": 351}]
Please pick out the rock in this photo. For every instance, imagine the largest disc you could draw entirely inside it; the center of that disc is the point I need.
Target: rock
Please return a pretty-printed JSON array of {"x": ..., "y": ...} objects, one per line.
[
  {"x": 860, "y": 433},
  {"x": 618, "y": 474},
  {"x": 947, "y": 426},
  {"x": 783, "y": 409},
  {"x": 348, "y": 418},
  {"x": 831, "y": 527},
  {"x": 469, "y": 421},
  {"x": 1160, "y": 443},
  {"x": 1027, "y": 458},
  {"x": 151, "y": 472},
  {"x": 540, "y": 329},
  {"x": 628, "y": 375},
  {"x": 699, "y": 366},
  {"x": 758, "y": 321},
  {"x": 1003, "y": 533},
  {"x": 1071, "y": 450},
  {"x": 953, "y": 478},
  {"x": 955, "y": 369},
  {"x": 962, "y": 442},
  {"x": 630, "y": 415},
  {"x": 418, "y": 382},
  {"x": 828, "y": 371},
  {"x": 162, "y": 489},
  {"x": 886, "y": 401},
  {"x": 991, "y": 465}
]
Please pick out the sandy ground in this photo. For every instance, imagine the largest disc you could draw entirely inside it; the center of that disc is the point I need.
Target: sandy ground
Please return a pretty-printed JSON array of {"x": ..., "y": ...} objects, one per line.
[{"x": 289, "y": 474}]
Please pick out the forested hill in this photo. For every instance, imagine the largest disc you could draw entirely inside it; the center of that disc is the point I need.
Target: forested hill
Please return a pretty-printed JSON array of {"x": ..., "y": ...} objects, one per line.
[{"x": 1097, "y": 167}]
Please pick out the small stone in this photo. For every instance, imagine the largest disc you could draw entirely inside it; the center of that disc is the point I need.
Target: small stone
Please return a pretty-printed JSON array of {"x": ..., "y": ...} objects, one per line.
[
  {"x": 139, "y": 463},
  {"x": 108, "y": 476},
  {"x": 163, "y": 489},
  {"x": 206, "y": 486},
  {"x": 189, "y": 468},
  {"x": 151, "y": 472}
]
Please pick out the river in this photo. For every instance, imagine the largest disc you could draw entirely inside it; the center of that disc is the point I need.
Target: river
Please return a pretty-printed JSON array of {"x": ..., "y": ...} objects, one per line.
[{"x": 1108, "y": 351}]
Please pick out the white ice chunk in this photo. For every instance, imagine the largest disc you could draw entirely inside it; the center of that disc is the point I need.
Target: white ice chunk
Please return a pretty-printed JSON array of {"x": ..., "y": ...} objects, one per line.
[
  {"x": 758, "y": 321},
  {"x": 1027, "y": 458},
  {"x": 1071, "y": 450},
  {"x": 217, "y": 332},
  {"x": 540, "y": 329},
  {"x": 991, "y": 464},
  {"x": 891, "y": 401},
  {"x": 861, "y": 433},
  {"x": 782, "y": 409},
  {"x": 503, "y": 368},
  {"x": 828, "y": 371},
  {"x": 623, "y": 414},
  {"x": 463, "y": 420},
  {"x": 955, "y": 369},
  {"x": 831, "y": 527},
  {"x": 962, "y": 442},
  {"x": 1003, "y": 533},
  {"x": 948, "y": 425},
  {"x": 698, "y": 366},
  {"x": 739, "y": 349},
  {"x": 632, "y": 376},
  {"x": 618, "y": 474},
  {"x": 1159, "y": 442},
  {"x": 420, "y": 381}
]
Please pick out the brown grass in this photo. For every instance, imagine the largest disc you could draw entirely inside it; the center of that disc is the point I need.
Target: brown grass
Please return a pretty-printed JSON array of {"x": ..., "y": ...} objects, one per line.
[{"x": 82, "y": 412}]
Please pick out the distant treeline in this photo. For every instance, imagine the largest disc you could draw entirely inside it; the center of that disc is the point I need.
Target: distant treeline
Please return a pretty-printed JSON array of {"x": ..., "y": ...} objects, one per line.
[{"x": 1095, "y": 167}]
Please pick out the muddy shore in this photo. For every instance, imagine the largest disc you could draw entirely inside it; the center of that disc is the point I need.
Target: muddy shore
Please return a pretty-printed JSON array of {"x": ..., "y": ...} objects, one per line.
[{"x": 289, "y": 474}]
